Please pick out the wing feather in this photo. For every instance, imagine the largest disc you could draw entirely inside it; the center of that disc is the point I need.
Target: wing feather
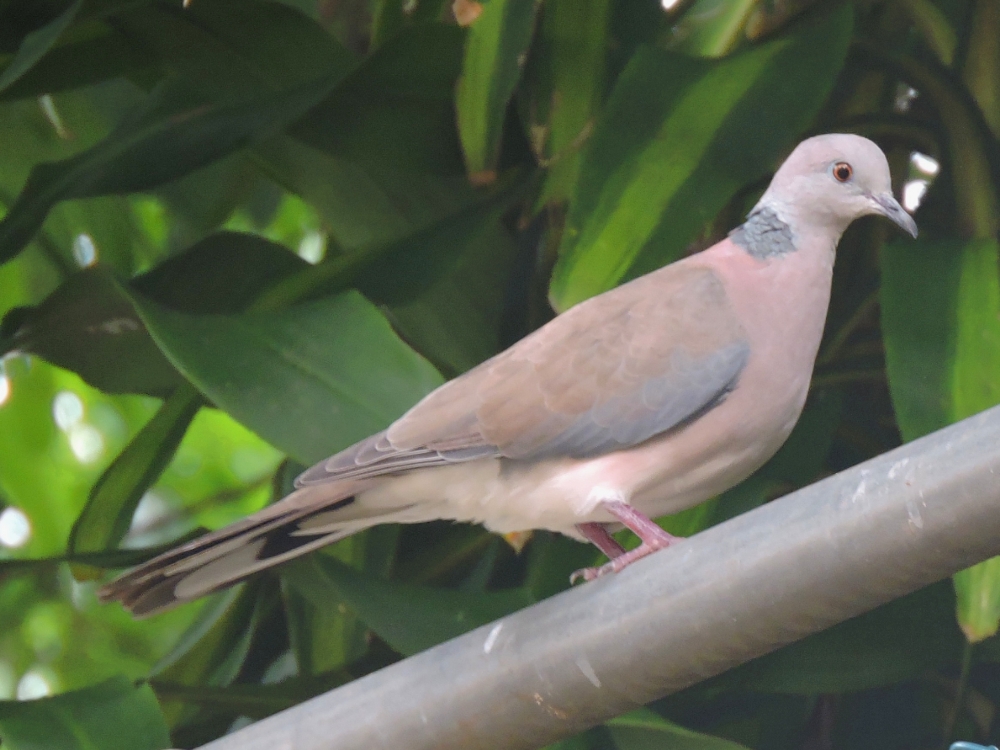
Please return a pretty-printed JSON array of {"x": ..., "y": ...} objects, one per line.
[{"x": 606, "y": 375}]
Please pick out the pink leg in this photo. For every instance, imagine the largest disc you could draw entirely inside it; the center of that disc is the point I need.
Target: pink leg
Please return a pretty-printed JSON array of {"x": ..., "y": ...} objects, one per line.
[
  {"x": 598, "y": 536},
  {"x": 652, "y": 536}
]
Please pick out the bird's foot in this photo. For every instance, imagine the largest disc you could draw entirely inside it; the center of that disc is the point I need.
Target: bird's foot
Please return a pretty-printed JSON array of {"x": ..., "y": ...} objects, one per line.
[
  {"x": 616, "y": 564},
  {"x": 653, "y": 538}
]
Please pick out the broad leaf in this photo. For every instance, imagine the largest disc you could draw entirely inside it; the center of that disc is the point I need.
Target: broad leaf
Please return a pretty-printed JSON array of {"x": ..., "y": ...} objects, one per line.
[
  {"x": 919, "y": 304},
  {"x": 97, "y": 54},
  {"x": 363, "y": 205},
  {"x": 224, "y": 273},
  {"x": 324, "y": 633},
  {"x": 456, "y": 323},
  {"x": 396, "y": 109},
  {"x": 872, "y": 650},
  {"x": 172, "y": 136},
  {"x": 310, "y": 380},
  {"x": 115, "y": 715},
  {"x": 565, "y": 81},
  {"x": 495, "y": 52},
  {"x": 678, "y": 138},
  {"x": 107, "y": 559},
  {"x": 941, "y": 322},
  {"x": 106, "y": 518},
  {"x": 37, "y": 43},
  {"x": 711, "y": 28},
  {"x": 89, "y": 325},
  {"x": 414, "y": 618},
  {"x": 398, "y": 270},
  {"x": 211, "y": 649},
  {"x": 235, "y": 84},
  {"x": 214, "y": 648},
  {"x": 233, "y": 48},
  {"x": 645, "y": 730},
  {"x": 977, "y": 591}
]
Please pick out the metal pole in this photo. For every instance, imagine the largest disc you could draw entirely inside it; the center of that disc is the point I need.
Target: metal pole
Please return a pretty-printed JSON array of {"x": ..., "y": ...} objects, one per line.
[{"x": 797, "y": 565}]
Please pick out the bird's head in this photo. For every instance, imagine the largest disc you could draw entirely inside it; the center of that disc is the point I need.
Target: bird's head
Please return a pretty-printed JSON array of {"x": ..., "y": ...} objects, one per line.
[{"x": 828, "y": 181}]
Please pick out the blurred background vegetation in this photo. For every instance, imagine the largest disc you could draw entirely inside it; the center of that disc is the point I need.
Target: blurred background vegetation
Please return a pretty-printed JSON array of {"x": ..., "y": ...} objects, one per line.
[{"x": 239, "y": 235}]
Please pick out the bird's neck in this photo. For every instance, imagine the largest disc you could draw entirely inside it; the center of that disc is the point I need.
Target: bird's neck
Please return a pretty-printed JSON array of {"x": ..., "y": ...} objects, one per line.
[
  {"x": 772, "y": 230},
  {"x": 764, "y": 234}
]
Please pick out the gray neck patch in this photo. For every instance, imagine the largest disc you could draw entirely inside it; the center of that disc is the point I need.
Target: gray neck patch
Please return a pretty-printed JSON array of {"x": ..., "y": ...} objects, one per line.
[{"x": 764, "y": 234}]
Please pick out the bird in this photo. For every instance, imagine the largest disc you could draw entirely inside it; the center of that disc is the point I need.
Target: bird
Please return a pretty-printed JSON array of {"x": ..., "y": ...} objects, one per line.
[{"x": 639, "y": 402}]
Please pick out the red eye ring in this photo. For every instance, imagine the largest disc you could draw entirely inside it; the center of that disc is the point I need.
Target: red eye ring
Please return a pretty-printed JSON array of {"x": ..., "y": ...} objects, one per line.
[{"x": 842, "y": 171}]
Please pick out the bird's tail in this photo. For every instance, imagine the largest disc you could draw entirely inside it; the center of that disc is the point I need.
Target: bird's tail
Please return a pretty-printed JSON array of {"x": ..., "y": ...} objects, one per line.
[{"x": 298, "y": 524}]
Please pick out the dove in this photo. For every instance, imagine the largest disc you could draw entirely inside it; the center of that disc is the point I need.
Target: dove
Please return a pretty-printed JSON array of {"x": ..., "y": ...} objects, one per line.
[{"x": 637, "y": 403}]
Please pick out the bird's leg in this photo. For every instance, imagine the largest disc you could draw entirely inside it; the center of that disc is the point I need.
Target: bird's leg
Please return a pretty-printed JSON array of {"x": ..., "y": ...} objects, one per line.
[
  {"x": 651, "y": 535},
  {"x": 597, "y": 535}
]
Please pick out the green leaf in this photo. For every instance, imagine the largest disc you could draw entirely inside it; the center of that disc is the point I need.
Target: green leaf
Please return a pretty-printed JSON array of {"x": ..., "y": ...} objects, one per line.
[
  {"x": 678, "y": 138},
  {"x": 582, "y": 741},
  {"x": 933, "y": 25},
  {"x": 234, "y": 48},
  {"x": 919, "y": 298},
  {"x": 403, "y": 267},
  {"x": 400, "y": 272},
  {"x": 976, "y": 384},
  {"x": 114, "y": 715},
  {"x": 310, "y": 380},
  {"x": 456, "y": 322},
  {"x": 107, "y": 559},
  {"x": 90, "y": 327},
  {"x": 396, "y": 109},
  {"x": 249, "y": 700},
  {"x": 107, "y": 516},
  {"x": 644, "y": 730},
  {"x": 387, "y": 19},
  {"x": 414, "y": 618},
  {"x": 712, "y": 28},
  {"x": 879, "y": 648},
  {"x": 941, "y": 323},
  {"x": 222, "y": 274},
  {"x": 324, "y": 633},
  {"x": 213, "y": 649},
  {"x": 495, "y": 52},
  {"x": 564, "y": 85},
  {"x": 363, "y": 205},
  {"x": 175, "y": 133},
  {"x": 224, "y": 46},
  {"x": 36, "y": 44},
  {"x": 91, "y": 53},
  {"x": 977, "y": 592},
  {"x": 976, "y": 387}
]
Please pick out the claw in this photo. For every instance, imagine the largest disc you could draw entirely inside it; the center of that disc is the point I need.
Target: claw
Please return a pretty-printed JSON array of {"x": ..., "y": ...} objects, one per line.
[
  {"x": 653, "y": 538},
  {"x": 622, "y": 561}
]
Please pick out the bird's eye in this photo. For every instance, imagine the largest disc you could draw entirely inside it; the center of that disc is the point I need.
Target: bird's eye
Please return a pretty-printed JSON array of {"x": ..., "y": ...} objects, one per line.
[{"x": 842, "y": 171}]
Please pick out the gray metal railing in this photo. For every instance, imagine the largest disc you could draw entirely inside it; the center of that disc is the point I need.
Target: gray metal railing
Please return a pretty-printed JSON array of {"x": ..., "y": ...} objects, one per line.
[{"x": 743, "y": 588}]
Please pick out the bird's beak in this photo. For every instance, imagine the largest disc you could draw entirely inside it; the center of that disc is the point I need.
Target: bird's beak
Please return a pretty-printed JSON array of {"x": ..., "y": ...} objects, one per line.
[{"x": 889, "y": 207}]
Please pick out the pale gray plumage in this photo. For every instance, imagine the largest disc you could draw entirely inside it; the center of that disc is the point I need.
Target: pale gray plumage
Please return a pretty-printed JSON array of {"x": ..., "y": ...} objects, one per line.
[
  {"x": 572, "y": 388},
  {"x": 641, "y": 401}
]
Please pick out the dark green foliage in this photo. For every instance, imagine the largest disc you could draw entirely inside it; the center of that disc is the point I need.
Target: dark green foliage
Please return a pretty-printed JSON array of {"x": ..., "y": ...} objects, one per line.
[
  {"x": 249, "y": 229},
  {"x": 109, "y": 715}
]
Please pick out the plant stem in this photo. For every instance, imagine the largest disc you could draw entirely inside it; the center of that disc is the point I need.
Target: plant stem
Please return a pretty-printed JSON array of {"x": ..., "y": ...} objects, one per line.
[{"x": 963, "y": 684}]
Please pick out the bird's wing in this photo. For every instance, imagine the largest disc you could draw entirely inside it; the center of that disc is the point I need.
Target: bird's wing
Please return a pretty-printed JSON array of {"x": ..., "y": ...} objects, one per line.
[{"x": 606, "y": 375}]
